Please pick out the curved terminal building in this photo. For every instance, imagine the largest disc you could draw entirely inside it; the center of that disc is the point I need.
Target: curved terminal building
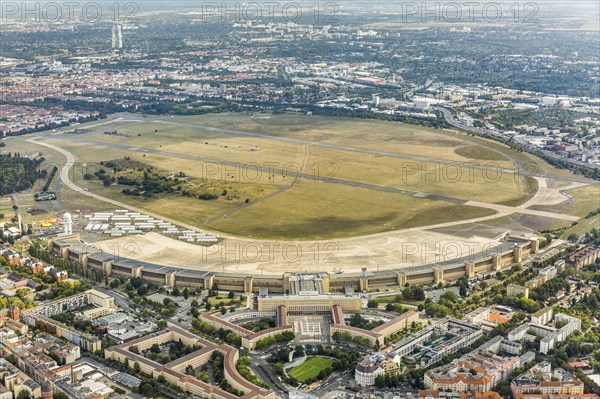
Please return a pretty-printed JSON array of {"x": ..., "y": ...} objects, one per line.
[{"x": 513, "y": 250}]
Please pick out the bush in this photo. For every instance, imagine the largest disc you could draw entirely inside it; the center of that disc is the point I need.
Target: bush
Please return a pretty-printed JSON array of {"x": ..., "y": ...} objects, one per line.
[
  {"x": 207, "y": 197},
  {"x": 372, "y": 303}
]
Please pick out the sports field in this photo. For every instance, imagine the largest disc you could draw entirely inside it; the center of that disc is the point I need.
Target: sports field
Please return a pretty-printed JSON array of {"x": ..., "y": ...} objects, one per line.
[{"x": 310, "y": 368}]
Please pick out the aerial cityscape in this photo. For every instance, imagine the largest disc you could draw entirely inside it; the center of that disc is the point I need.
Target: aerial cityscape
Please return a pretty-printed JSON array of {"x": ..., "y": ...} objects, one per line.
[{"x": 341, "y": 200}]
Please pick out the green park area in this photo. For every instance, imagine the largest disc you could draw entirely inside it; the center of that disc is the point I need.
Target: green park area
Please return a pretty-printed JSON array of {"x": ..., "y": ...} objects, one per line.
[{"x": 311, "y": 368}]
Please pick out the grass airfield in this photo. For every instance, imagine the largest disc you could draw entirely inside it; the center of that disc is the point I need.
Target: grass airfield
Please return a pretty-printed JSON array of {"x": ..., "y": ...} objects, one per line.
[
  {"x": 284, "y": 206},
  {"x": 364, "y": 186}
]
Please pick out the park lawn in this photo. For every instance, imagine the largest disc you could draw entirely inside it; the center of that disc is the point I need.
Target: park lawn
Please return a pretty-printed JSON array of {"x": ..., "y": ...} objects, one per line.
[
  {"x": 529, "y": 190},
  {"x": 6, "y": 209},
  {"x": 310, "y": 368},
  {"x": 101, "y": 126},
  {"x": 289, "y": 217},
  {"x": 583, "y": 226},
  {"x": 443, "y": 144},
  {"x": 185, "y": 209},
  {"x": 373, "y": 134},
  {"x": 84, "y": 153},
  {"x": 7, "y": 216},
  {"x": 384, "y": 211},
  {"x": 216, "y": 300},
  {"x": 188, "y": 209},
  {"x": 396, "y": 137},
  {"x": 559, "y": 183},
  {"x": 90, "y": 155},
  {"x": 315, "y": 161},
  {"x": 586, "y": 200},
  {"x": 25, "y": 148},
  {"x": 66, "y": 196}
]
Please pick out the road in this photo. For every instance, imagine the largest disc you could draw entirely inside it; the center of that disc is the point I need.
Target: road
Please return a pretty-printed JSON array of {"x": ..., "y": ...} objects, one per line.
[
  {"x": 258, "y": 365},
  {"x": 507, "y": 210},
  {"x": 335, "y": 381}
]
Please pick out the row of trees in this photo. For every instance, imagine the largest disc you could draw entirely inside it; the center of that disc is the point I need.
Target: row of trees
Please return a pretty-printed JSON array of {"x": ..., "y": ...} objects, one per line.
[
  {"x": 243, "y": 367},
  {"x": 413, "y": 378},
  {"x": 284, "y": 336},
  {"x": 215, "y": 334},
  {"x": 345, "y": 336},
  {"x": 36, "y": 250},
  {"x": 218, "y": 373},
  {"x": 50, "y": 178}
]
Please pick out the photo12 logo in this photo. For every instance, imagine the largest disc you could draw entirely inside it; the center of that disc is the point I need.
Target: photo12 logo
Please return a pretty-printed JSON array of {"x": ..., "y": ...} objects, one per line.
[
  {"x": 122, "y": 250},
  {"x": 271, "y": 11},
  {"x": 470, "y": 11},
  {"x": 414, "y": 252},
  {"x": 456, "y": 172},
  {"x": 267, "y": 252},
  {"x": 67, "y": 11},
  {"x": 268, "y": 172}
]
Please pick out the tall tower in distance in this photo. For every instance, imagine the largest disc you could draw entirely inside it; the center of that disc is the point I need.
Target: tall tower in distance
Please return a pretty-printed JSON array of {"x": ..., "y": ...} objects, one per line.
[
  {"x": 117, "y": 37},
  {"x": 114, "y": 37},
  {"x": 375, "y": 100}
]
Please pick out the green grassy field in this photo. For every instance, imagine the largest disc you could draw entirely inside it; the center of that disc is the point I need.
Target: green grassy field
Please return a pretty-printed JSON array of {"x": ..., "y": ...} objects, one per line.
[
  {"x": 427, "y": 177},
  {"x": 280, "y": 207},
  {"x": 216, "y": 300},
  {"x": 478, "y": 152},
  {"x": 584, "y": 201},
  {"x": 310, "y": 368},
  {"x": 322, "y": 210}
]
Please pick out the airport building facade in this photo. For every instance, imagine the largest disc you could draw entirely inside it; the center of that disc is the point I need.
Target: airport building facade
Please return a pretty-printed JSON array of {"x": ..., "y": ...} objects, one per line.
[{"x": 515, "y": 249}]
